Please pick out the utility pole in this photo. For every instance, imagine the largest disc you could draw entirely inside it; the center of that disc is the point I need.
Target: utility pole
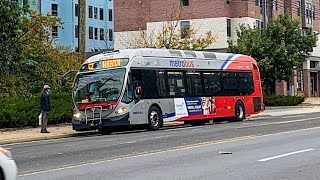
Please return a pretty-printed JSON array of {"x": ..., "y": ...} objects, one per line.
[
  {"x": 264, "y": 12},
  {"x": 39, "y": 7},
  {"x": 82, "y": 28}
]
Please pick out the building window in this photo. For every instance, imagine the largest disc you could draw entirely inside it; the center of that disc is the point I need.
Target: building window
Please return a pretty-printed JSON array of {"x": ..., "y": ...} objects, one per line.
[
  {"x": 76, "y": 10},
  {"x": 102, "y": 34},
  {"x": 300, "y": 80},
  {"x": 55, "y": 32},
  {"x": 185, "y": 27},
  {"x": 76, "y": 29},
  {"x": 25, "y": 2},
  {"x": 275, "y": 5},
  {"x": 314, "y": 13},
  {"x": 229, "y": 27},
  {"x": 314, "y": 64},
  {"x": 257, "y": 2},
  {"x": 262, "y": 25},
  {"x": 299, "y": 8},
  {"x": 54, "y": 9},
  {"x": 101, "y": 14},
  {"x": 96, "y": 13},
  {"x": 184, "y": 2},
  {"x": 110, "y": 35},
  {"x": 96, "y": 33},
  {"x": 258, "y": 24},
  {"x": 90, "y": 12},
  {"x": 110, "y": 15},
  {"x": 307, "y": 13},
  {"x": 90, "y": 32}
]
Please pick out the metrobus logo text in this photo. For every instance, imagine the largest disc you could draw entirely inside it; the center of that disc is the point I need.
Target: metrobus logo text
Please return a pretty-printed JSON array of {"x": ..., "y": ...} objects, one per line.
[{"x": 181, "y": 63}]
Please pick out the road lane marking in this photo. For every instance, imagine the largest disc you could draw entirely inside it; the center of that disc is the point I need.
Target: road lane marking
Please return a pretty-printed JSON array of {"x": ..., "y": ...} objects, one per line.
[
  {"x": 284, "y": 117},
  {"x": 155, "y": 152},
  {"x": 279, "y": 122},
  {"x": 284, "y": 155},
  {"x": 291, "y": 121},
  {"x": 105, "y": 140}
]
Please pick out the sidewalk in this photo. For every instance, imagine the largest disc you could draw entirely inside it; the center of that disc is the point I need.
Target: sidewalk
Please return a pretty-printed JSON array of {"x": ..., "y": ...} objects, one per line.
[
  {"x": 8, "y": 136},
  {"x": 289, "y": 110}
]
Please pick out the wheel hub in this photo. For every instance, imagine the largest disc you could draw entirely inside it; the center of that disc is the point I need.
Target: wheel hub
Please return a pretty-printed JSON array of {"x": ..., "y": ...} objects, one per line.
[{"x": 154, "y": 118}]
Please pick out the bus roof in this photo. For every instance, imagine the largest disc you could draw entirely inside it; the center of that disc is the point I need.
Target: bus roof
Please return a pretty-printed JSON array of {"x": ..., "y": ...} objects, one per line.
[
  {"x": 168, "y": 53},
  {"x": 168, "y": 58}
]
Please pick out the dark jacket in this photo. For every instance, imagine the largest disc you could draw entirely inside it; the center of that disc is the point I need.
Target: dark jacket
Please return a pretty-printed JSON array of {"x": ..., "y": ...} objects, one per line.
[{"x": 45, "y": 102}]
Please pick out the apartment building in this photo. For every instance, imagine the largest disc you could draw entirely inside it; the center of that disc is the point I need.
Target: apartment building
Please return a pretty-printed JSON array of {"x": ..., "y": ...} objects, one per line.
[
  {"x": 222, "y": 18},
  {"x": 99, "y": 22}
]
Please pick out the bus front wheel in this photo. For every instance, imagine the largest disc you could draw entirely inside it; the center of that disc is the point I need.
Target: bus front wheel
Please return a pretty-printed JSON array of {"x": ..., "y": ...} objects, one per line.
[
  {"x": 240, "y": 112},
  {"x": 155, "y": 118}
]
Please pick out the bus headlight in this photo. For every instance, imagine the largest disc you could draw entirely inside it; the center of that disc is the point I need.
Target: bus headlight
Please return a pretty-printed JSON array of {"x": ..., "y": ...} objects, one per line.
[
  {"x": 121, "y": 110},
  {"x": 76, "y": 115},
  {"x": 6, "y": 153}
]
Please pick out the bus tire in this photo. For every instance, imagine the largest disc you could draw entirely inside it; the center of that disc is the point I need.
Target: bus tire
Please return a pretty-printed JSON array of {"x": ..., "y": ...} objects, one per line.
[
  {"x": 105, "y": 131},
  {"x": 239, "y": 111},
  {"x": 155, "y": 118}
]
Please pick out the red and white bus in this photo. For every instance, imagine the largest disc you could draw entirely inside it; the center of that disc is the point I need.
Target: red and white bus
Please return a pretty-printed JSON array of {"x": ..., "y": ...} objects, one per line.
[{"x": 153, "y": 86}]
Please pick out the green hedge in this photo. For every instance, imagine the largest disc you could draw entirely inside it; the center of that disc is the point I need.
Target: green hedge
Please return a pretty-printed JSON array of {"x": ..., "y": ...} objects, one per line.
[
  {"x": 21, "y": 112},
  {"x": 283, "y": 100}
]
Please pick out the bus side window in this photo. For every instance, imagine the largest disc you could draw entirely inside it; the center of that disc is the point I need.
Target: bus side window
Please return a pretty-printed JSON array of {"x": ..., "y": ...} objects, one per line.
[
  {"x": 149, "y": 84},
  {"x": 176, "y": 84}
]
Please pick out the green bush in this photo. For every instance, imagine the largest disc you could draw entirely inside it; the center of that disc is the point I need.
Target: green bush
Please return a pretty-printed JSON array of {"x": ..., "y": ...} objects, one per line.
[
  {"x": 21, "y": 112},
  {"x": 283, "y": 100}
]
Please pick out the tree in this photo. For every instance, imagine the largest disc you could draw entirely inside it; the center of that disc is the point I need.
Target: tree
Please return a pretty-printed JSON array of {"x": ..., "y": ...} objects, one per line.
[
  {"x": 10, "y": 29},
  {"x": 38, "y": 60},
  {"x": 169, "y": 35},
  {"x": 279, "y": 48}
]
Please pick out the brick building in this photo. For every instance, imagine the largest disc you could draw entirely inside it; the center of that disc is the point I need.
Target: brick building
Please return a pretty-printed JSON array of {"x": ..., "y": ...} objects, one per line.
[{"x": 222, "y": 18}]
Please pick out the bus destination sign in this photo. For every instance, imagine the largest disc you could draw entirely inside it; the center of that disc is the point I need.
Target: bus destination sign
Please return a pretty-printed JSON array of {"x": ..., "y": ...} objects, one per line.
[
  {"x": 104, "y": 64},
  {"x": 111, "y": 63}
]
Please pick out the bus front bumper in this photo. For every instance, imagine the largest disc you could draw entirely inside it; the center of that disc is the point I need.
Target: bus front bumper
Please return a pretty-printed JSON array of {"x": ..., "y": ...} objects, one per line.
[{"x": 122, "y": 120}]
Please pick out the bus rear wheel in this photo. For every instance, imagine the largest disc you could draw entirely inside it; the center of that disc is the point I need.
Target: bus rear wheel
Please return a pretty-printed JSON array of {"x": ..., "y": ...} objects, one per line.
[
  {"x": 155, "y": 118},
  {"x": 240, "y": 112},
  {"x": 105, "y": 131}
]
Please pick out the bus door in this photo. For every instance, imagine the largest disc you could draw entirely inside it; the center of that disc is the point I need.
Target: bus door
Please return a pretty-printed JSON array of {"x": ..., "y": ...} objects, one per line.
[
  {"x": 138, "y": 111},
  {"x": 257, "y": 101}
]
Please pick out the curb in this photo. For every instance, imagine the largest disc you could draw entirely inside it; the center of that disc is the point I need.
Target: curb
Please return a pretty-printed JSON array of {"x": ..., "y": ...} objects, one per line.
[
  {"x": 58, "y": 136},
  {"x": 290, "y": 107},
  {"x": 254, "y": 116}
]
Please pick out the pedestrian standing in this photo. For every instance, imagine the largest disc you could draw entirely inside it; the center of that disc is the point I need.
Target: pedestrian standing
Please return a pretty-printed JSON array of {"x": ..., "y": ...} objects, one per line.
[{"x": 45, "y": 108}]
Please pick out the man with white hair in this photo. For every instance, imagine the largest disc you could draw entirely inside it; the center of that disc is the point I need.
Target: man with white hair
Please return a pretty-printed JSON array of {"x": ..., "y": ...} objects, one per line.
[{"x": 45, "y": 108}]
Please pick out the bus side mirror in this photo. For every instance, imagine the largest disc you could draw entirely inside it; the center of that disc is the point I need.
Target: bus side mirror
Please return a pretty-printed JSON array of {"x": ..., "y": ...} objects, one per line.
[
  {"x": 63, "y": 81},
  {"x": 138, "y": 91}
]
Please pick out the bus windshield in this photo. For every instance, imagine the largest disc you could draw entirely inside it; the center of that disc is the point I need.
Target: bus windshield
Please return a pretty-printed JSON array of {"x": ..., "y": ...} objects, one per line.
[{"x": 102, "y": 86}]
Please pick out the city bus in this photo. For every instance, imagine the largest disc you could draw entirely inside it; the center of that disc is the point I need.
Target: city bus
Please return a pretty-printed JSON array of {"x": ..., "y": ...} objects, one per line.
[{"x": 152, "y": 86}]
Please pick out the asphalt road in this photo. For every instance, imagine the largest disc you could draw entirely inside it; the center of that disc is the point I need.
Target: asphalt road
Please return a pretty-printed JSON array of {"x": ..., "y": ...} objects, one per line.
[{"x": 283, "y": 147}]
